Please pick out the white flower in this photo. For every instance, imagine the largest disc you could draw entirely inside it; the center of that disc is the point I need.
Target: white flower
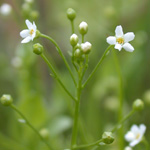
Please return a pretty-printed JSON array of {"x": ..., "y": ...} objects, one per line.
[
  {"x": 86, "y": 47},
  {"x": 30, "y": 33},
  {"x": 5, "y": 9},
  {"x": 120, "y": 40},
  {"x": 128, "y": 148},
  {"x": 134, "y": 136}
]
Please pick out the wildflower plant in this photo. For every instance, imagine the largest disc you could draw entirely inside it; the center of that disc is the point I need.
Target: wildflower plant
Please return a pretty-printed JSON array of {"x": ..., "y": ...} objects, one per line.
[{"x": 80, "y": 61}]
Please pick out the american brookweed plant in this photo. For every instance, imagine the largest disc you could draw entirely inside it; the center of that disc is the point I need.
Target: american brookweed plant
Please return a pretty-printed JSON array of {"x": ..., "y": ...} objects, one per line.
[{"x": 80, "y": 52}]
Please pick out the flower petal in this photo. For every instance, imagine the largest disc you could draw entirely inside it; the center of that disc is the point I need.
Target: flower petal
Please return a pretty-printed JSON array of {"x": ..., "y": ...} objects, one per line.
[
  {"x": 29, "y": 24},
  {"x": 128, "y": 47},
  {"x": 27, "y": 39},
  {"x": 119, "y": 31},
  {"x": 142, "y": 128},
  {"x": 34, "y": 26},
  {"x": 129, "y": 136},
  {"x": 111, "y": 40},
  {"x": 129, "y": 37},
  {"x": 118, "y": 46},
  {"x": 33, "y": 35},
  {"x": 133, "y": 143},
  {"x": 24, "y": 33}
]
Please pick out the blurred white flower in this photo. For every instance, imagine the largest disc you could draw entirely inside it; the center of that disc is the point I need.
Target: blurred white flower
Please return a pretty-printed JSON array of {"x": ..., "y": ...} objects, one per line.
[
  {"x": 134, "y": 136},
  {"x": 83, "y": 27},
  {"x": 5, "y": 9},
  {"x": 120, "y": 40},
  {"x": 128, "y": 148},
  {"x": 16, "y": 62},
  {"x": 30, "y": 33}
]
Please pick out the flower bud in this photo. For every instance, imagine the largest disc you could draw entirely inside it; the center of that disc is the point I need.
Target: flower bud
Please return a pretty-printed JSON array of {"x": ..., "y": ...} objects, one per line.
[
  {"x": 74, "y": 40},
  {"x": 71, "y": 14},
  {"x": 37, "y": 48},
  {"x": 44, "y": 133},
  {"x": 77, "y": 53},
  {"x": 146, "y": 97},
  {"x": 138, "y": 105},
  {"x": 5, "y": 9},
  {"x": 107, "y": 137},
  {"x": 6, "y": 100},
  {"x": 34, "y": 15},
  {"x": 128, "y": 148},
  {"x": 83, "y": 27},
  {"x": 86, "y": 47}
]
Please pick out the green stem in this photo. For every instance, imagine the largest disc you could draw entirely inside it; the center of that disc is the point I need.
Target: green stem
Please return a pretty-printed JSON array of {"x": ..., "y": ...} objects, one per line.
[
  {"x": 56, "y": 76},
  {"x": 120, "y": 111},
  {"x": 145, "y": 143},
  {"x": 122, "y": 121},
  {"x": 61, "y": 54},
  {"x": 30, "y": 125},
  {"x": 82, "y": 38},
  {"x": 72, "y": 26},
  {"x": 98, "y": 64},
  {"x": 88, "y": 145},
  {"x": 77, "y": 107}
]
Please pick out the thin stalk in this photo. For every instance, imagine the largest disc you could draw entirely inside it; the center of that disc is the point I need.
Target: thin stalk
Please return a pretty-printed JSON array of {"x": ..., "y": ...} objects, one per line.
[
  {"x": 96, "y": 67},
  {"x": 122, "y": 121},
  {"x": 120, "y": 111},
  {"x": 30, "y": 125},
  {"x": 56, "y": 76},
  {"x": 77, "y": 107},
  {"x": 82, "y": 38},
  {"x": 72, "y": 26},
  {"x": 61, "y": 54}
]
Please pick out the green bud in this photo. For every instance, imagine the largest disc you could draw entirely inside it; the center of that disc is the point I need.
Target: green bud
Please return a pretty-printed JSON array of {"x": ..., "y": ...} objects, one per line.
[
  {"x": 107, "y": 137},
  {"x": 34, "y": 15},
  {"x": 74, "y": 40},
  {"x": 6, "y": 100},
  {"x": 77, "y": 53},
  {"x": 26, "y": 8},
  {"x": 146, "y": 97},
  {"x": 37, "y": 48},
  {"x": 71, "y": 14},
  {"x": 44, "y": 133},
  {"x": 138, "y": 105},
  {"x": 83, "y": 28}
]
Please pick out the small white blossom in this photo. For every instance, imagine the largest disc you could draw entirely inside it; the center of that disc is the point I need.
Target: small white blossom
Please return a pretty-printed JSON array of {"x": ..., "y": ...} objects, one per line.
[
  {"x": 128, "y": 148},
  {"x": 74, "y": 39},
  {"x": 5, "y": 9},
  {"x": 120, "y": 40},
  {"x": 86, "y": 47},
  {"x": 134, "y": 136},
  {"x": 30, "y": 33}
]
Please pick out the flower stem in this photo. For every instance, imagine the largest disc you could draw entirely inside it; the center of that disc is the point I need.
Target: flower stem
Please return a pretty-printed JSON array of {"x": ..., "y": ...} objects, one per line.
[
  {"x": 72, "y": 26},
  {"x": 96, "y": 67},
  {"x": 77, "y": 107},
  {"x": 61, "y": 54},
  {"x": 56, "y": 76},
  {"x": 30, "y": 125},
  {"x": 122, "y": 121},
  {"x": 120, "y": 111}
]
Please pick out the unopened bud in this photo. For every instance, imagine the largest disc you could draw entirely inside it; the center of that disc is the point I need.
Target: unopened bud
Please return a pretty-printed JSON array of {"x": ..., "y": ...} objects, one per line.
[
  {"x": 138, "y": 105},
  {"x": 86, "y": 47},
  {"x": 37, "y": 48},
  {"x": 44, "y": 133},
  {"x": 107, "y": 137},
  {"x": 128, "y": 148},
  {"x": 71, "y": 14},
  {"x": 74, "y": 40},
  {"x": 77, "y": 53},
  {"x": 34, "y": 14},
  {"x": 83, "y": 27},
  {"x": 6, "y": 100}
]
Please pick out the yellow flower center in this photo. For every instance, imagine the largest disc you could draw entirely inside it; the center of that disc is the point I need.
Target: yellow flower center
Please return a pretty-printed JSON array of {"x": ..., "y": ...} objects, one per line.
[
  {"x": 31, "y": 31},
  {"x": 120, "y": 40},
  {"x": 137, "y": 136}
]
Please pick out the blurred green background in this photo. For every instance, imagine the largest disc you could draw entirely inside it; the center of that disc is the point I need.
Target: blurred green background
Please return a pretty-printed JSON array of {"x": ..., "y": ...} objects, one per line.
[{"x": 27, "y": 78}]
